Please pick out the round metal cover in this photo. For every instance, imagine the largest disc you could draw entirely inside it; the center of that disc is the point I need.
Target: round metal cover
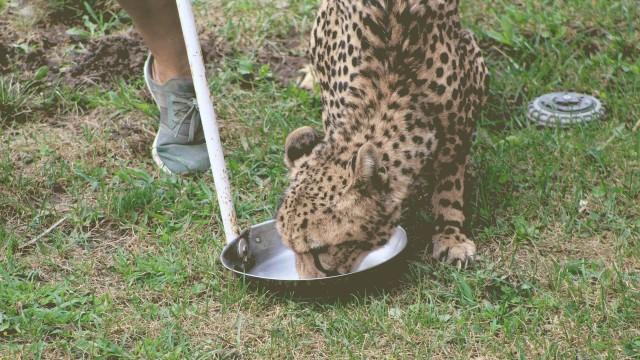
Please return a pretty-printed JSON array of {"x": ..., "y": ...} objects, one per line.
[{"x": 565, "y": 109}]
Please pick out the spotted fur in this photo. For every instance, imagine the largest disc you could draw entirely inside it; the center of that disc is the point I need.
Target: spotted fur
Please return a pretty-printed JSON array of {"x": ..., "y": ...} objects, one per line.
[{"x": 402, "y": 84}]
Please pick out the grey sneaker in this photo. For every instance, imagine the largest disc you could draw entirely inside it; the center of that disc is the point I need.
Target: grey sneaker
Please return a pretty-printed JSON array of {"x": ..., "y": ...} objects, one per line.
[{"x": 179, "y": 147}]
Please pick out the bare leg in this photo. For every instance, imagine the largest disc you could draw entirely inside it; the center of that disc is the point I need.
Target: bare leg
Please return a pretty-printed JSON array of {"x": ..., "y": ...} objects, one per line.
[
  {"x": 179, "y": 147},
  {"x": 158, "y": 23}
]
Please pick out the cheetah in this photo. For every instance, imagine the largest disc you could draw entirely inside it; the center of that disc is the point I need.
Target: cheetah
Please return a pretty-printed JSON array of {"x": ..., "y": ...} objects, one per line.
[{"x": 401, "y": 85}]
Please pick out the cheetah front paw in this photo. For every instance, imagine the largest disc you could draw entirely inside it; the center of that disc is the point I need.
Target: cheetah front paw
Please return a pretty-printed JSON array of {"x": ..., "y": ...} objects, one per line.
[{"x": 455, "y": 249}]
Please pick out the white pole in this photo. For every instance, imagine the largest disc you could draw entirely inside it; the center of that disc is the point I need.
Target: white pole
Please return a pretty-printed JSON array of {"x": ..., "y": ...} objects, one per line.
[{"x": 208, "y": 116}]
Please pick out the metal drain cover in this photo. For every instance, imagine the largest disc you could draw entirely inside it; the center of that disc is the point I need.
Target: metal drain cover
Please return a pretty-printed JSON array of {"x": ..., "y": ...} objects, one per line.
[{"x": 565, "y": 109}]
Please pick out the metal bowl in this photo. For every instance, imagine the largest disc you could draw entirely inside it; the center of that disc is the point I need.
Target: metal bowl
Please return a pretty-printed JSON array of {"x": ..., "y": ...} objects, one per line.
[{"x": 258, "y": 255}]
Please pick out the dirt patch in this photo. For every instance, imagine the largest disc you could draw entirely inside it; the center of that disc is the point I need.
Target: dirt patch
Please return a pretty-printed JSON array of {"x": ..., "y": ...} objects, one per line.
[
  {"x": 114, "y": 56},
  {"x": 37, "y": 50},
  {"x": 285, "y": 65},
  {"x": 77, "y": 61},
  {"x": 286, "y": 68},
  {"x": 7, "y": 50},
  {"x": 122, "y": 57},
  {"x": 105, "y": 60},
  {"x": 5, "y": 55}
]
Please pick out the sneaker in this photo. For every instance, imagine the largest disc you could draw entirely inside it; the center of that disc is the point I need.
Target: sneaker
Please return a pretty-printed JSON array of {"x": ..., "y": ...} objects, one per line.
[{"x": 179, "y": 147}]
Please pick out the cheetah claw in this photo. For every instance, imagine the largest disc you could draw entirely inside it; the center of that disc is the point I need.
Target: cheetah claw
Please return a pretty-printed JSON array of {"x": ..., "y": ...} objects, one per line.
[{"x": 457, "y": 252}]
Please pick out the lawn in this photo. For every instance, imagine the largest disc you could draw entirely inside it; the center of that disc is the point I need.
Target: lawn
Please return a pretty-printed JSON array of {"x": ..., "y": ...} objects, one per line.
[{"x": 131, "y": 270}]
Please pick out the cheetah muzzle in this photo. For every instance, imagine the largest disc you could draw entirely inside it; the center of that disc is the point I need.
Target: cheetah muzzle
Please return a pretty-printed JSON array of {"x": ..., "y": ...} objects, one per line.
[{"x": 402, "y": 84}]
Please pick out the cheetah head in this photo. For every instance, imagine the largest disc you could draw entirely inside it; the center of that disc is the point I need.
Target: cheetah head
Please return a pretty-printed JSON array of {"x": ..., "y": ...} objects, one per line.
[{"x": 334, "y": 211}]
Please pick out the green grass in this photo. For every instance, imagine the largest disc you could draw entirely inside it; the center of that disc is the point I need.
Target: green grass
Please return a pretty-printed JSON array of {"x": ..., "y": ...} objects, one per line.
[{"x": 132, "y": 270}]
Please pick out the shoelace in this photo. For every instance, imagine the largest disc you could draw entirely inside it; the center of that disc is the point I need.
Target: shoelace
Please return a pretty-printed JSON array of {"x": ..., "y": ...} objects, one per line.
[{"x": 190, "y": 114}]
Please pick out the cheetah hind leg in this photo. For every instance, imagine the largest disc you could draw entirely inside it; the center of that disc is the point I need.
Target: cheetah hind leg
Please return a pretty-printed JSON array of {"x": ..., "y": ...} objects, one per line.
[{"x": 450, "y": 244}]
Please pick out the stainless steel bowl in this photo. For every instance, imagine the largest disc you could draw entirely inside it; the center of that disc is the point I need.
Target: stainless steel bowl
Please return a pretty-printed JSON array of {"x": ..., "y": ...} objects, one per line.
[{"x": 259, "y": 255}]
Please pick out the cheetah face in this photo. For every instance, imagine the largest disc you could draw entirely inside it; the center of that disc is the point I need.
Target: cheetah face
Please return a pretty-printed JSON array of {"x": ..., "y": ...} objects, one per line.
[{"x": 334, "y": 212}]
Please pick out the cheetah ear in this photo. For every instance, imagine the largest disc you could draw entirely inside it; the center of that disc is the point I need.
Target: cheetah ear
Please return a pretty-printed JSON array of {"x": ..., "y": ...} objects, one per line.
[
  {"x": 365, "y": 167},
  {"x": 300, "y": 143}
]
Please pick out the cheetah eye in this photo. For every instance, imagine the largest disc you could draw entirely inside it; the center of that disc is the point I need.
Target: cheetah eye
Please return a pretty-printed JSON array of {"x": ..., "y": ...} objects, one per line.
[{"x": 353, "y": 162}]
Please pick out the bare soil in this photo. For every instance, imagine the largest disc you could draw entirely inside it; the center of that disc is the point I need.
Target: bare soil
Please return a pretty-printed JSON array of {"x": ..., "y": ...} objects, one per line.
[
  {"x": 108, "y": 58},
  {"x": 99, "y": 61},
  {"x": 103, "y": 61},
  {"x": 285, "y": 65}
]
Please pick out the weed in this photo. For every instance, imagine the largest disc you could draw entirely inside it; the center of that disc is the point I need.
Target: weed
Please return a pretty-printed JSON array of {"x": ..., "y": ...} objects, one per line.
[{"x": 95, "y": 24}]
